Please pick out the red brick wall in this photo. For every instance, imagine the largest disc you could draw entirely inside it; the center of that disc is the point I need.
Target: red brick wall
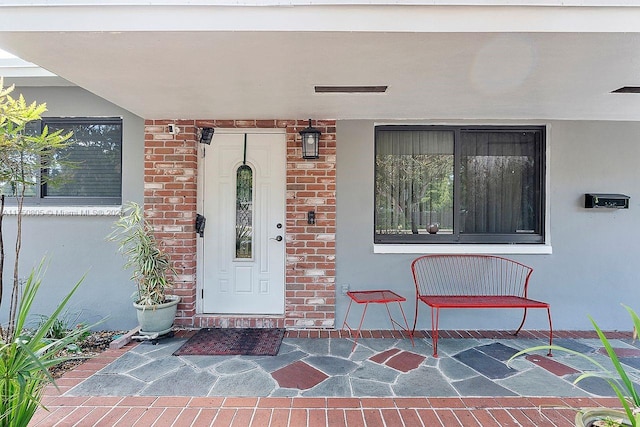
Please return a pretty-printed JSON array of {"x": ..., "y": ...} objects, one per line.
[{"x": 170, "y": 176}]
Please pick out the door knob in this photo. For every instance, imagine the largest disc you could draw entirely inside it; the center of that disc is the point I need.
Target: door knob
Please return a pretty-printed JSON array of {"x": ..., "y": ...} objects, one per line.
[{"x": 277, "y": 238}]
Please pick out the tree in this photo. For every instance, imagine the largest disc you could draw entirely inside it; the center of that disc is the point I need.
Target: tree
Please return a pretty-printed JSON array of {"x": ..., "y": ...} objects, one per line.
[{"x": 23, "y": 155}]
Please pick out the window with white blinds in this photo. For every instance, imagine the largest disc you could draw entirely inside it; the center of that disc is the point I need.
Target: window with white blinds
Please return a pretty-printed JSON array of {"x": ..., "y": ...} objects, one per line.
[{"x": 89, "y": 171}]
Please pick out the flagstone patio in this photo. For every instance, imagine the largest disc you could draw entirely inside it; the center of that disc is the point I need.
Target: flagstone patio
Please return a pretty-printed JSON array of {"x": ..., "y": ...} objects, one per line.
[{"x": 321, "y": 381}]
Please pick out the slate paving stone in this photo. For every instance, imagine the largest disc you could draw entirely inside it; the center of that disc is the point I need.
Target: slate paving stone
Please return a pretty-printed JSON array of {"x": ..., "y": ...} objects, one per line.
[
  {"x": 582, "y": 364},
  {"x": 156, "y": 369},
  {"x": 378, "y": 344},
  {"x": 574, "y": 345},
  {"x": 454, "y": 369},
  {"x": 421, "y": 346},
  {"x": 373, "y": 371},
  {"x": 338, "y": 386},
  {"x": 480, "y": 386},
  {"x": 525, "y": 343},
  {"x": 108, "y": 385},
  {"x": 163, "y": 348},
  {"x": 331, "y": 365},
  {"x": 368, "y": 388},
  {"x": 596, "y": 386},
  {"x": 423, "y": 381},
  {"x": 497, "y": 351},
  {"x": 452, "y": 346},
  {"x": 286, "y": 347},
  {"x": 271, "y": 364},
  {"x": 634, "y": 362},
  {"x": 361, "y": 353},
  {"x": 234, "y": 366},
  {"x": 538, "y": 382},
  {"x": 340, "y": 347},
  {"x": 125, "y": 363},
  {"x": 203, "y": 362},
  {"x": 185, "y": 381},
  {"x": 433, "y": 361},
  {"x": 253, "y": 383},
  {"x": 484, "y": 364},
  {"x": 312, "y": 345}
]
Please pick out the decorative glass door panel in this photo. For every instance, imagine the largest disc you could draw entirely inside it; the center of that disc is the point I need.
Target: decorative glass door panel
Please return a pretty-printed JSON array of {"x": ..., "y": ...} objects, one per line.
[{"x": 244, "y": 211}]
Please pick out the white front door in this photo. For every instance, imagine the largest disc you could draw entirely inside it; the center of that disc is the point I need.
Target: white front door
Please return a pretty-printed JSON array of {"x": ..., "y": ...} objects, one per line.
[{"x": 244, "y": 184}]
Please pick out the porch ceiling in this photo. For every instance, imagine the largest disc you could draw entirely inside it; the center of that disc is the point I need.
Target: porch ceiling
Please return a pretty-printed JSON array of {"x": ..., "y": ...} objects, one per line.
[{"x": 271, "y": 72}]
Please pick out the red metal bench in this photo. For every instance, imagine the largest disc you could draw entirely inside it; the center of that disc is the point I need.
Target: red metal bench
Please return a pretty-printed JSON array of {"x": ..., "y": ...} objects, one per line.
[{"x": 472, "y": 281}]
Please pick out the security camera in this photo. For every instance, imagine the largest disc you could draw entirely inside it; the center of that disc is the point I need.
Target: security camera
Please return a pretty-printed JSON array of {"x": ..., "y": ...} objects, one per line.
[{"x": 173, "y": 129}]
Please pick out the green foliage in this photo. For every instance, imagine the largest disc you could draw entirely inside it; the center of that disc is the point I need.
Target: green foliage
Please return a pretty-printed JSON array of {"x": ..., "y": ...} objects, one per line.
[
  {"x": 149, "y": 263},
  {"x": 23, "y": 154},
  {"x": 618, "y": 379},
  {"x": 410, "y": 184},
  {"x": 22, "y": 157},
  {"x": 63, "y": 325},
  {"x": 25, "y": 359}
]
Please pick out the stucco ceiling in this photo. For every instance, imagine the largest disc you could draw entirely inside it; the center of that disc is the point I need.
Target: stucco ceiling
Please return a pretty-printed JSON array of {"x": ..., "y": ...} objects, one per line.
[{"x": 271, "y": 73}]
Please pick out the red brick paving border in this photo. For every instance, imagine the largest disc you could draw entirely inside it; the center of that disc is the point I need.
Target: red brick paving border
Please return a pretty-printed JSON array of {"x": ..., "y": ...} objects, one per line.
[{"x": 449, "y": 412}]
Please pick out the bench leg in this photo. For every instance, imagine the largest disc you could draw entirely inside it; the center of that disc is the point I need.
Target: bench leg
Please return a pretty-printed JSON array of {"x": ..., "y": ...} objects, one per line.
[
  {"x": 415, "y": 318},
  {"x": 550, "y": 328},
  {"x": 434, "y": 329},
  {"x": 522, "y": 324},
  {"x": 550, "y": 331}
]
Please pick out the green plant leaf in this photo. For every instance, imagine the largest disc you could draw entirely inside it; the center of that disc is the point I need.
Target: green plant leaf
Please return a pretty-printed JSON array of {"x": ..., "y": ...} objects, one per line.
[
  {"x": 619, "y": 380},
  {"x": 24, "y": 360}
]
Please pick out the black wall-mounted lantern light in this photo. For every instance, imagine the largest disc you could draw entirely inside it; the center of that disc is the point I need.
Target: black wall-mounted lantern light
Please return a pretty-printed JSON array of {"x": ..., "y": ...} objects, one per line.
[
  {"x": 310, "y": 142},
  {"x": 205, "y": 135}
]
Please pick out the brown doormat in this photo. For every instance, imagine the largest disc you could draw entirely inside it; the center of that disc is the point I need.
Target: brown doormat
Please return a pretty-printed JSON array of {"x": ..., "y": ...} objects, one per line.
[{"x": 227, "y": 342}]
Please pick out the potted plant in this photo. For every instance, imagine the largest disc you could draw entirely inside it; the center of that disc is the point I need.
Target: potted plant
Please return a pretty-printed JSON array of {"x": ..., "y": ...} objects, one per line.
[
  {"x": 619, "y": 381},
  {"x": 151, "y": 268}
]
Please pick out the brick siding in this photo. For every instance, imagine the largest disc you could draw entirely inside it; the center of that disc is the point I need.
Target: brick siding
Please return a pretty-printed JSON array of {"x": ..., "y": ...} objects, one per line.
[{"x": 170, "y": 194}]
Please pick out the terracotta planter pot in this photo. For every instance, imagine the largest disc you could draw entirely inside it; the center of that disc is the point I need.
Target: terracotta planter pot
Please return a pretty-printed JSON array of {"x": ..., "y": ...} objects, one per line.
[
  {"x": 586, "y": 417},
  {"x": 158, "y": 318}
]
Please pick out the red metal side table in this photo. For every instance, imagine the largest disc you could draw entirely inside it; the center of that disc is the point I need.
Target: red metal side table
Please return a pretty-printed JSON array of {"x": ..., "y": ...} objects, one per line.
[{"x": 383, "y": 296}]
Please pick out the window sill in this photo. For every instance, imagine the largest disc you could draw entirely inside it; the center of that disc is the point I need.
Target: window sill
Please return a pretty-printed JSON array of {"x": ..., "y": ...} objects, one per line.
[
  {"x": 464, "y": 249},
  {"x": 65, "y": 210}
]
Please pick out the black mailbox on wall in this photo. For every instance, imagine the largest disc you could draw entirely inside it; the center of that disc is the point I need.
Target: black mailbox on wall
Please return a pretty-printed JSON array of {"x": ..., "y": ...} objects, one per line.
[{"x": 601, "y": 200}]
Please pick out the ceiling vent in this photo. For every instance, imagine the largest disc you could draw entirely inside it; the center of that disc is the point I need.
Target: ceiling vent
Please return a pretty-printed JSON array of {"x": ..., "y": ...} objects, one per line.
[
  {"x": 351, "y": 89},
  {"x": 627, "y": 89}
]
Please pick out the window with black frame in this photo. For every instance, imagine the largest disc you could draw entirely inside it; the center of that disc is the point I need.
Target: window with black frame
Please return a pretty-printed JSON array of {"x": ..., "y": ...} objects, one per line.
[
  {"x": 437, "y": 184},
  {"x": 90, "y": 167}
]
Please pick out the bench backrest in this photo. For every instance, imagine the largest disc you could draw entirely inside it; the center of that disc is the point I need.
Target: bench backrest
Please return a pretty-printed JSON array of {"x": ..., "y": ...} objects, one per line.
[{"x": 470, "y": 275}]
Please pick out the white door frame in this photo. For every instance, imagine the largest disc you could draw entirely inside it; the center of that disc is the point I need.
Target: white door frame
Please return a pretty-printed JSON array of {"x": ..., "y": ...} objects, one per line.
[{"x": 201, "y": 152}]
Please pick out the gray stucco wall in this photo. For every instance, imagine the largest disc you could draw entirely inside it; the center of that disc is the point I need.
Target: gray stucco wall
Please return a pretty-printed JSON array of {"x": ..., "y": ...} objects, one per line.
[
  {"x": 592, "y": 270},
  {"x": 75, "y": 245}
]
